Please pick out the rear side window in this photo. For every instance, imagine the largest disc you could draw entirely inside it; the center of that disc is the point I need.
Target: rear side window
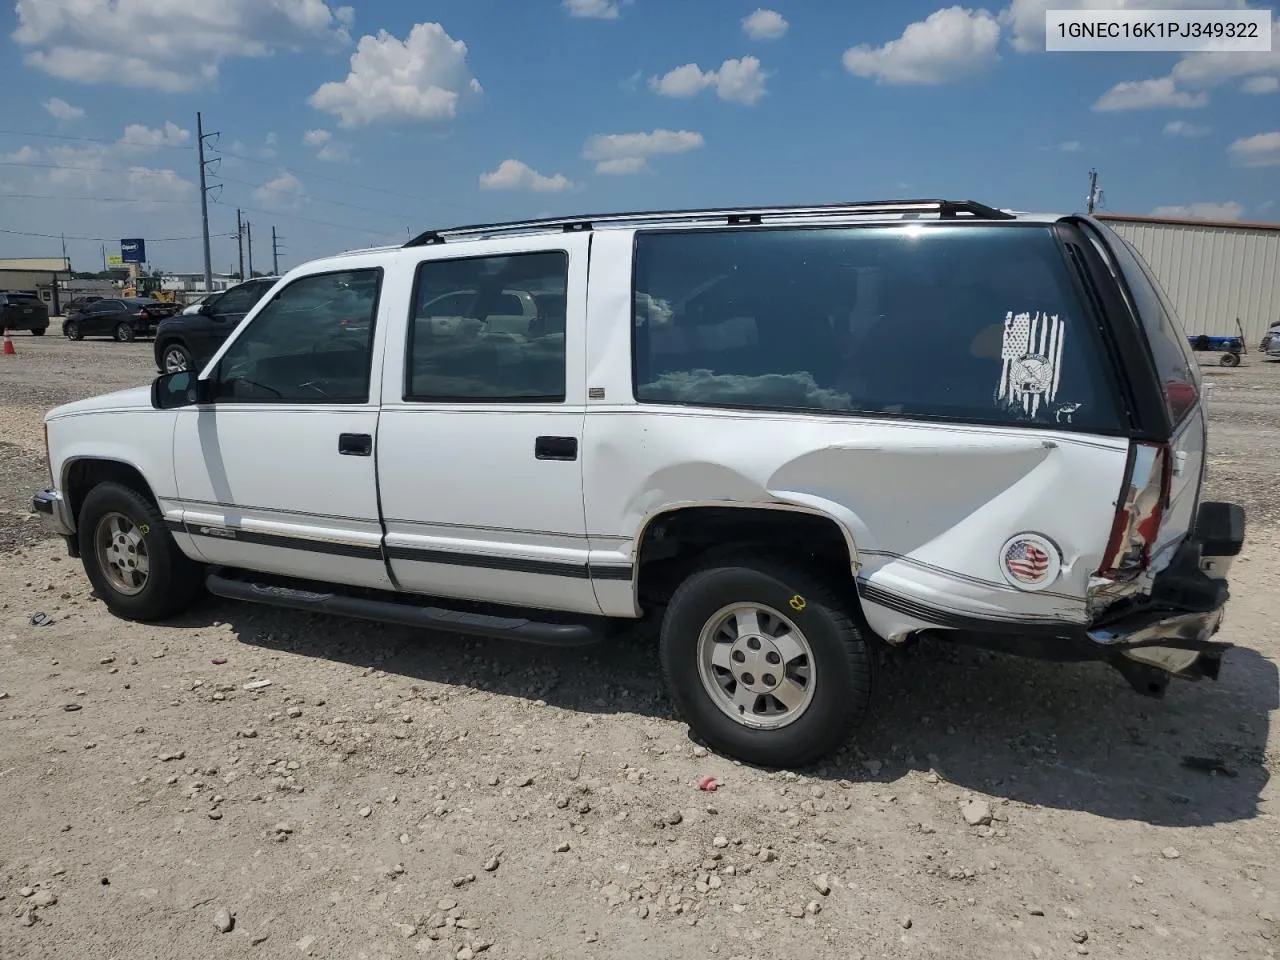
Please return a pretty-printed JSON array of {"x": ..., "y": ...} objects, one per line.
[
  {"x": 1175, "y": 366},
  {"x": 471, "y": 338},
  {"x": 972, "y": 323}
]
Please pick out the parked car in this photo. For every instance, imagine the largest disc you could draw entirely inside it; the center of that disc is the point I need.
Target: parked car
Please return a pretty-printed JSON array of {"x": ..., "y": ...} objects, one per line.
[
  {"x": 23, "y": 311},
  {"x": 122, "y": 318},
  {"x": 783, "y": 436},
  {"x": 1270, "y": 337},
  {"x": 188, "y": 340}
]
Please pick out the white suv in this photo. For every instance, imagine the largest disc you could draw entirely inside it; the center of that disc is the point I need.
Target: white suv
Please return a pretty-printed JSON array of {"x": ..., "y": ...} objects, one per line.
[{"x": 786, "y": 435}]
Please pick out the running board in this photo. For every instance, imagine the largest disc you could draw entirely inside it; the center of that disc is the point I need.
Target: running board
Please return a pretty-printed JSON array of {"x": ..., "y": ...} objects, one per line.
[{"x": 321, "y": 598}]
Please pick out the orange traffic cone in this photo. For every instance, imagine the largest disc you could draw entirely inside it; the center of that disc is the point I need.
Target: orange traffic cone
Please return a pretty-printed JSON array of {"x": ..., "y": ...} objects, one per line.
[{"x": 8, "y": 344}]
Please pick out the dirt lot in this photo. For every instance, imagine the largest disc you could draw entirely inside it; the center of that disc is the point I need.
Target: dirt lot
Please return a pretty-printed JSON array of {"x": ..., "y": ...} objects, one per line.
[{"x": 392, "y": 794}]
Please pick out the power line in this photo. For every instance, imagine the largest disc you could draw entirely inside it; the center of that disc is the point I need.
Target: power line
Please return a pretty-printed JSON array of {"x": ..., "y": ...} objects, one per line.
[
  {"x": 55, "y": 196},
  {"x": 321, "y": 223},
  {"x": 58, "y": 236},
  {"x": 117, "y": 143}
]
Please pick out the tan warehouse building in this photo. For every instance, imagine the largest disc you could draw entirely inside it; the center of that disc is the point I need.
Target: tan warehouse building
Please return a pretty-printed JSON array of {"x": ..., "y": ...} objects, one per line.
[
  {"x": 38, "y": 275},
  {"x": 1217, "y": 273}
]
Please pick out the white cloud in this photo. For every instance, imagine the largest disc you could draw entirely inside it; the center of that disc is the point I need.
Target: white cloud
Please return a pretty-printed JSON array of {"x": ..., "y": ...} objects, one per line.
[
  {"x": 1198, "y": 72},
  {"x": 167, "y": 45},
  {"x": 596, "y": 9},
  {"x": 424, "y": 77},
  {"x": 159, "y": 184},
  {"x": 138, "y": 136},
  {"x": 1230, "y": 210},
  {"x": 24, "y": 154},
  {"x": 1180, "y": 128},
  {"x": 316, "y": 138},
  {"x": 327, "y": 148},
  {"x": 59, "y": 109},
  {"x": 765, "y": 25},
  {"x": 1024, "y": 19},
  {"x": 1260, "y": 150},
  {"x": 620, "y": 154},
  {"x": 345, "y": 15},
  {"x": 742, "y": 81},
  {"x": 945, "y": 46},
  {"x": 282, "y": 191},
  {"x": 517, "y": 175},
  {"x": 1069, "y": 146},
  {"x": 1158, "y": 94}
]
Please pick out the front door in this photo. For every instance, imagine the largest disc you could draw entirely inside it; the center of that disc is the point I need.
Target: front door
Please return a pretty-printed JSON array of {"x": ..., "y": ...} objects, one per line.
[
  {"x": 479, "y": 453},
  {"x": 277, "y": 473}
]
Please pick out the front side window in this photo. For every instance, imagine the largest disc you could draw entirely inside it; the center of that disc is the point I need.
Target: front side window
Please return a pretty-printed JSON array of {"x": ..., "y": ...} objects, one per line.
[
  {"x": 972, "y": 323},
  {"x": 311, "y": 343},
  {"x": 241, "y": 299},
  {"x": 489, "y": 328}
]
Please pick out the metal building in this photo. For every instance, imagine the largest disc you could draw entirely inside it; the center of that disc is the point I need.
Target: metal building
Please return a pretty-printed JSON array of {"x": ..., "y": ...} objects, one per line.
[
  {"x": 1217, "y": 273},
  {"x": 38, "y": 275}
]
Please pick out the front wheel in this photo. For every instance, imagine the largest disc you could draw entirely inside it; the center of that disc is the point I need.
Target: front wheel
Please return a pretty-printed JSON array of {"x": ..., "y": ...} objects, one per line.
[
  {"x": 765, "y": 662},
  {"x": 71, "y": 330},
  {"x": 175, "y": 358},
  {"x": 1230, "y": 360},
  {"x": 131, "y": 559},
  {"x": 124, "y": 333},
  {"x": 38, "y": 331}
]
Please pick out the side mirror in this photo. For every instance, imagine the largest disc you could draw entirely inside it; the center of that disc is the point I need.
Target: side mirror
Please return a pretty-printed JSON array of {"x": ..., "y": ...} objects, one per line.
[
  {"x": 205, "y": 310},
  {"x": 170, "y": 391}
]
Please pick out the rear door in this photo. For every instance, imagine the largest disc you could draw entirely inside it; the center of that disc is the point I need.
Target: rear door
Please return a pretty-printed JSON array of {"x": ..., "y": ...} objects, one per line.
[
  {"x": 479, "y": 449},
  {"x": 101, "y": 317}
]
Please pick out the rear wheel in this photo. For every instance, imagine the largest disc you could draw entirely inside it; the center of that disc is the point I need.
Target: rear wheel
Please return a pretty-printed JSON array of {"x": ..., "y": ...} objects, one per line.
[
  {"x": 1230, "y": 360},
  {"x": 38, "y": 331},
  {"x": 765, "y": 661},
  {"x": 131, "y": 559},
  {"x": 71, "y": 330},
  {"x": 175, "y": 358},
  {"x": 124, "y": 332}
]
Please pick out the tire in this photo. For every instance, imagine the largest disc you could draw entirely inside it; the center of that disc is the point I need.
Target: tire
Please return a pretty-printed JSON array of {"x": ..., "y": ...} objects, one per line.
[
  {"x": 124, "y": 333},
  {"x": 172, "y": 581},
  {"x": 38, "y": 331},
  {"x": 840, "y": 673},
  {"x": 1230, "y": 360},
  {"x": 178, "y": 354},
  {"x": 71, "y": 330}
]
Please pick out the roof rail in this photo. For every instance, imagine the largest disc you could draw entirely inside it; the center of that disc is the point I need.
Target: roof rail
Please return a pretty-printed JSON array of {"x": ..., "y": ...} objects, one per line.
[{"x": 732, "y": 216}]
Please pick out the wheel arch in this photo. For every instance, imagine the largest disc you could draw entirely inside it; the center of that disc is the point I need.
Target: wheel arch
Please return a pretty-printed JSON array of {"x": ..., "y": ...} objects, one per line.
[
  {"x": 81, "y": 474},
  {"x": 672, "y": 538}
]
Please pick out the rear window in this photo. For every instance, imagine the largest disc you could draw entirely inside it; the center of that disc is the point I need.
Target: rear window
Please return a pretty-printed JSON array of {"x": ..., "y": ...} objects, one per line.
[
  {"x": 1175, "y": 365},
  {"x": 972, "y": 323},
  {"x": 23, "y": 298}
]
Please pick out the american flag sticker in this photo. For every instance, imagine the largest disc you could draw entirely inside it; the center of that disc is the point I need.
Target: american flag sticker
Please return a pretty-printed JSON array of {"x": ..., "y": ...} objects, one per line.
[
  {"x": 1031, "y": 351},
  {"x": 1030, "y": 562}
]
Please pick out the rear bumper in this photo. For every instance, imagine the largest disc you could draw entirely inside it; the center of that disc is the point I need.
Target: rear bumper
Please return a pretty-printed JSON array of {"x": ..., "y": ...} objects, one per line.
[{"x": 1169, "y": 633}]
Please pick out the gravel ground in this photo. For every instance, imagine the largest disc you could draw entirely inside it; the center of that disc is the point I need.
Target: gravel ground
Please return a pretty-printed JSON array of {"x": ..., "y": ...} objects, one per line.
[{"x": 327, "y": 788}]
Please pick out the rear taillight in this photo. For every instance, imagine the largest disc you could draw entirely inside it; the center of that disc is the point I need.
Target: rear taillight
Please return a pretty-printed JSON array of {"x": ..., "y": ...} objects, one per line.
[
  {"x": 1139, "y": 512},
  {"x": 48, "y": 459},
  {"x": 1179, "y": 398}
]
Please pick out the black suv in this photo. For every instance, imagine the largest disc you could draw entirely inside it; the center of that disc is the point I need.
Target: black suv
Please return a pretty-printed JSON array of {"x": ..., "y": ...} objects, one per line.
[
  {"x": 23, "y": 311},
  {"x": 189, "y": 340}
]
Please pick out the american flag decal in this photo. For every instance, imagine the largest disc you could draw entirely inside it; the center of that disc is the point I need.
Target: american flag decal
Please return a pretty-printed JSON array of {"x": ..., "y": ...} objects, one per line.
[{"x": 1026, "y": 561}]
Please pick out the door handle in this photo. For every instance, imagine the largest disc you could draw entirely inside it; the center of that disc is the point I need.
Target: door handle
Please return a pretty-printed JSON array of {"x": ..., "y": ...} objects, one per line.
[
  {"x": 556, "y": 448},
  {"x": 355, "y": 444}
]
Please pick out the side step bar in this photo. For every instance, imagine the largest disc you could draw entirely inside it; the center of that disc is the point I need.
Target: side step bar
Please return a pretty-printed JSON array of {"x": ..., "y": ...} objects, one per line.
[{"x": 320, "y": 598}]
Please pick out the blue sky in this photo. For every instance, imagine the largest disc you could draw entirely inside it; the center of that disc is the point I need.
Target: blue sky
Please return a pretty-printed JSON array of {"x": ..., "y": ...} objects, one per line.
[{"x": 348, "y": 125}]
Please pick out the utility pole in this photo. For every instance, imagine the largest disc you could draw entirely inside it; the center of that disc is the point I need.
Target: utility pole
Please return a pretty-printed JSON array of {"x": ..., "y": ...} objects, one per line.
[
  {"x": 240, "y": 243},
  {"x": 204, "y": 202},
  {"x": 1093, "y": 191},
  {"x": 248, "y": 233},
  {"x": 275, "y": 253},
  {"x": 104, "y": 258}
]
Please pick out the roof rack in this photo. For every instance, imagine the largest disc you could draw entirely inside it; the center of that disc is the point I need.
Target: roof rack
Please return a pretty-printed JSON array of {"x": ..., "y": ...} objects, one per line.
[{"x": 732, "y": 216}]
